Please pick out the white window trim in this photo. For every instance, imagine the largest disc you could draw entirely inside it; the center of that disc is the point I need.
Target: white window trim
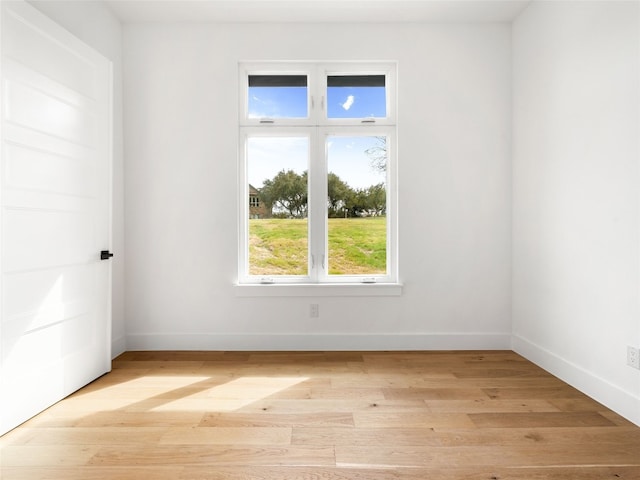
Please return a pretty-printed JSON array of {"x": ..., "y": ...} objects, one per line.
[
  {"x": 317, "y": 126},
  {"x": 319, "y": 290}
]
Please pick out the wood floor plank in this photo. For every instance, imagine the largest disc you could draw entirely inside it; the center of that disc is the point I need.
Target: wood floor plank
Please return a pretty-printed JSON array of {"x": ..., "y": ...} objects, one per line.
[
  {"x": 412, "y": 420},
  {"x": 485, "y": 405},
  {"x": 277, "y": 420},
  {"x": 312, "y": 406},
  {"x": 203, "y": 405},
  {"x": 213, "y": 455},
  {"x": 564, "y": 392},
  {"x": 120, "y": 418},
  {"x": 369, "y": 437},
  {"x": 484, "y": 371},
  {"x": 271, "y": 436},
  {"x": 433, "y": 393},
  {"x": 420, "y": 456},
  {"x": 90, "y": 436},
  {"x": 487, "y": 385},
  {"x": 540, "y": 419},
  {"x": 560, "y": 437},
  {"x": 374, "y": 380},
  {"x": 46, "y": 455},
  {"x": 367, "y": 394},
  {"x": 84, "y": 472}
]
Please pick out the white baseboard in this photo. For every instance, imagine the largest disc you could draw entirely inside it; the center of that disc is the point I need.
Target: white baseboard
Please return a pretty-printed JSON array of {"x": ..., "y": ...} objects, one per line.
[
  {"x": 118, "y": 346},
  {"x": 326, "y": 342},
  {"x": 612, "y": 396}
]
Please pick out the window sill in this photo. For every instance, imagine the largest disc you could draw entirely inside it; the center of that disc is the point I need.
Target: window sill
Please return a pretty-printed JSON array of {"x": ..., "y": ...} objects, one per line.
[{"x": 319, "y": 290}]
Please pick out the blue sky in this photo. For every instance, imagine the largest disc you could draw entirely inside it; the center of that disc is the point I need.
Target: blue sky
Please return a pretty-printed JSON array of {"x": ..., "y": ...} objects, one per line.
[
  {"x": 346, "y": 158},
  {"x": 278, "y": 102},
  {"x": 346, "y": 155},
  {"x": 291, "y": 102}
]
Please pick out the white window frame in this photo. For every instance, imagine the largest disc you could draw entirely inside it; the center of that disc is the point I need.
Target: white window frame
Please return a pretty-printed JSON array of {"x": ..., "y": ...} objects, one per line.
[
  {"x": 317, "y": 127},
  {"x": 321, "y": 225}
]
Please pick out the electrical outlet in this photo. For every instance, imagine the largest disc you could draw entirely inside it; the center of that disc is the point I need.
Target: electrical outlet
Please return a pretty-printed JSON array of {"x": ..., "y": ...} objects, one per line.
[
  {"x": 314, "y": 310},
  {"x": 633, "y": 357}
]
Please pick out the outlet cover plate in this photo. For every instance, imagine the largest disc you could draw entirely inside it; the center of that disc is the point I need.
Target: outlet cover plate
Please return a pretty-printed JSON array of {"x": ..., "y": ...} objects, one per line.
[{"x": 633, "y": 357}]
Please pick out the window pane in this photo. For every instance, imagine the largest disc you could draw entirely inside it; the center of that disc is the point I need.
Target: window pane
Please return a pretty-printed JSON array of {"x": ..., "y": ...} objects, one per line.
[
  {"x": 357, "y": 205},
  {"x": 356, "y": 96},
  {"x": 278, "y": 96},
  {"x": 278, "y": 192}
]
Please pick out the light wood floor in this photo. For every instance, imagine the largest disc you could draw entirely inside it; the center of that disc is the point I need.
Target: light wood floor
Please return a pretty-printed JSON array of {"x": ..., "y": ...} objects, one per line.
[{"x": 314, "y": 416}]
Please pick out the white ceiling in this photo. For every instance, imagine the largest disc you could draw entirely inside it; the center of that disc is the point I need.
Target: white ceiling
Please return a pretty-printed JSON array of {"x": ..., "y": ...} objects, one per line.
[{"x": 344, "y": 11}]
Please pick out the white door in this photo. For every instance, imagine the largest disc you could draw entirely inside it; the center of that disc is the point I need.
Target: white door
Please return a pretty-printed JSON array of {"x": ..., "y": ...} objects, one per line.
[{"x": 55, "y": 181}]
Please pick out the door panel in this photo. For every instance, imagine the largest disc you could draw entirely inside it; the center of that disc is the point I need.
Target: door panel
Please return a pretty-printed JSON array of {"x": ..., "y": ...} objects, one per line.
[
  {"x": 28, "y": 107},
  {"x": 27, "y": 168},
  {"x": 23, "y": 295},
  {"x": 54, "y": 214}
]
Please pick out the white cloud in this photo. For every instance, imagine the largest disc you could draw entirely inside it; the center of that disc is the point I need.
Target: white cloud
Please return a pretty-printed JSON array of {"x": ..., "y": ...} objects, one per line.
[{"x": 347, "y": 105}]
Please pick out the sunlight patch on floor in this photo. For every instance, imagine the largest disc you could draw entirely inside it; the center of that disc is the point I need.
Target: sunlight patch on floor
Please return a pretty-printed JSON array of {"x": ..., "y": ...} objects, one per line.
[{"x": 233, "y": 395}]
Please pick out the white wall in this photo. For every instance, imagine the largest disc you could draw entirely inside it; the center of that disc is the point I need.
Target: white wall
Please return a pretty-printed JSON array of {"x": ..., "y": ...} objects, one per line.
[
  {"x": 576, "y": 222},
  {"x": 181, "y": 110},
  {"x": 95, "y": 24}
]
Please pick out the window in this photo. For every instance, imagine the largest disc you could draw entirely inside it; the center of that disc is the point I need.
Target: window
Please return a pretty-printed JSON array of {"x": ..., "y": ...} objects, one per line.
[
  {"x": 277, "y": 96},
  {"x": 317, "y": 174}
]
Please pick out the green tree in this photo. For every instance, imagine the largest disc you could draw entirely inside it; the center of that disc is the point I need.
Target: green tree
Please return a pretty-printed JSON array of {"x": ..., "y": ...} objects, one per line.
[
  {"x": 356, "y": 203},
  {"x": 287, "y": 192},
  {"x": 371, "y": 201},
  {"x": 376, "y": 200},
  {"x": 338, "y": 193}
]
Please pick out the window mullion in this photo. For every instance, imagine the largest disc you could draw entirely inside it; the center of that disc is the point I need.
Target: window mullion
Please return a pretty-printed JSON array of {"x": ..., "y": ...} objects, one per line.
[
  {"x": 317, "y": 180},
  {"x": 317, "y": 207}
]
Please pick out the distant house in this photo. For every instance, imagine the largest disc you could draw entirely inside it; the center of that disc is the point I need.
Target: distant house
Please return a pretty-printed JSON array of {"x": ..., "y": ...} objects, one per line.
[{"x": 257, "y": 208}]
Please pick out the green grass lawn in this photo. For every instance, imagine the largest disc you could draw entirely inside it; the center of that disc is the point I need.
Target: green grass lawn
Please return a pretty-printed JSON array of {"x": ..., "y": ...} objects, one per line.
[{"x": 357, "y": 246}]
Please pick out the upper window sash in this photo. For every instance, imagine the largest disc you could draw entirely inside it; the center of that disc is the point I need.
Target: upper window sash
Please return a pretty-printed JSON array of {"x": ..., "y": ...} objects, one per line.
[
  {"x": 325, "y": 94},
  {"x": 260, "y": 101},
  {"x": 360, "y": 94}
]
